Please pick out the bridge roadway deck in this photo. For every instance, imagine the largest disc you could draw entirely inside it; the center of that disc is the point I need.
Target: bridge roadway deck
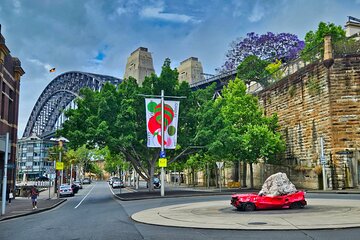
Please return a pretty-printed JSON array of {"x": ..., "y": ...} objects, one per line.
[{"x": 318, "y": 214}]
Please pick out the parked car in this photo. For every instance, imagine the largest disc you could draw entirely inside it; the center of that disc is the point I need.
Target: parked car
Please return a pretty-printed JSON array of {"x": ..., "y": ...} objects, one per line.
[
  {"x": 157, "y": 183},
  {"x": 42, "y": 178},
  {"x": 111, "y": 180},
  {"x": 79, "y": 184},
  {"x": 117, "y": 183},
  {"x": 86, "y": 181},
  {"x": 252, "y": 201},
  {"x": 65, "y": 190},
  {"x": 75, "y": 188}
]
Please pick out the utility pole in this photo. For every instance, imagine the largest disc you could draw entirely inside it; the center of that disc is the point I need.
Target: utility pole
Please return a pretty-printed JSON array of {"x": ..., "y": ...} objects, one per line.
[{"x": 6, "y": 158}]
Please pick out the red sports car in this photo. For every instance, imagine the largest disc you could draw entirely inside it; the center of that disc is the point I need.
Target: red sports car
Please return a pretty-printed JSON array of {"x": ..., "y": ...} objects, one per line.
[{"x": 252, "y": 201}]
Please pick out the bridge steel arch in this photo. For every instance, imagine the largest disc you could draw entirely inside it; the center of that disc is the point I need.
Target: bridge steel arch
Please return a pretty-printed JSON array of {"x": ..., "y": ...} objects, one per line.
[{"x": 60, "y": 92}]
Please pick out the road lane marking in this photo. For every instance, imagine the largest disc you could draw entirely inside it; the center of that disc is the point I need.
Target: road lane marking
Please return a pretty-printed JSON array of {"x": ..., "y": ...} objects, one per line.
[{"x": 85, "y": 197}]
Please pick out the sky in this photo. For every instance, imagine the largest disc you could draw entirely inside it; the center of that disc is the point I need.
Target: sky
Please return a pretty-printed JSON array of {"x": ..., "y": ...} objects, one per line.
[{"x": 97, "y": 36}]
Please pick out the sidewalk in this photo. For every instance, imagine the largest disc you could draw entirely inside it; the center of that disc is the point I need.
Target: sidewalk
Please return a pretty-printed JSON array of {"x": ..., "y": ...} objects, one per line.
[{"x": 21, "y": 206}]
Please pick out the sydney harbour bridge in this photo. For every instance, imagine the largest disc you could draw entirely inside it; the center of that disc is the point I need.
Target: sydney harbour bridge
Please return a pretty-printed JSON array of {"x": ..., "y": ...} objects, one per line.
[{"x": 47, "y": 114}]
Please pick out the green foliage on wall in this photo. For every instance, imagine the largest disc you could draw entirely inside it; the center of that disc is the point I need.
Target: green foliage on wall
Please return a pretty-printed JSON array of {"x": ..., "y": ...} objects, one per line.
[
  {"x": 292, "y": 91},
  {"x": 313, "y": 87}
]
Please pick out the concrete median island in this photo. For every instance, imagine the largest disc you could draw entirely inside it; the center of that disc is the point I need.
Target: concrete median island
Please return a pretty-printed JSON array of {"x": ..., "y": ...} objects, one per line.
[{"x": 318, "y": 214}]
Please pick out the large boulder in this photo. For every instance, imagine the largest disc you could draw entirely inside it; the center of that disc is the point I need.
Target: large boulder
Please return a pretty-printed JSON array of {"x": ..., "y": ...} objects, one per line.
[{"x": 276, "y": 185}]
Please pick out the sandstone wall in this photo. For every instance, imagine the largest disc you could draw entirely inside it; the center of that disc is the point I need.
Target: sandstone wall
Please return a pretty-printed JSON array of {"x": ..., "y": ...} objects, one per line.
[{"x": 319, "y": 102}]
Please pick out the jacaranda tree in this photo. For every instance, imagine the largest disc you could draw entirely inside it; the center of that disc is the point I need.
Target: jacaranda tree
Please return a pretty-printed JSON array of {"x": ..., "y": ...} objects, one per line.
[{"x": 269, "y": 46}]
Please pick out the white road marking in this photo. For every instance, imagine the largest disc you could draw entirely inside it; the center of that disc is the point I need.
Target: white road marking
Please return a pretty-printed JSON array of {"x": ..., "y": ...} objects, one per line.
[
  {"x": 111, "y": 190},
  {"x": 128, "y": 189},
  {"x": 85, "y": 196}
]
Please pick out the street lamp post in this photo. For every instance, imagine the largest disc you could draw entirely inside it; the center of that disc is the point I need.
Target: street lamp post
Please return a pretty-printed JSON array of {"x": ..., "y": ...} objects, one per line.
[{"x": 60, "y": 140}]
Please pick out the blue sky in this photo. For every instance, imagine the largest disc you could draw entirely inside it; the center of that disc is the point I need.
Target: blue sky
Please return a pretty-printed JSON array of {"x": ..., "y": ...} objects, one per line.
[{"x": 98, "y": 35}]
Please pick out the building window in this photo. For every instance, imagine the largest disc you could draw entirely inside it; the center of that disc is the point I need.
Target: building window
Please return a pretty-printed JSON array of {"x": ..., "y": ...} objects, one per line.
[{"x": 3, "y": 106}]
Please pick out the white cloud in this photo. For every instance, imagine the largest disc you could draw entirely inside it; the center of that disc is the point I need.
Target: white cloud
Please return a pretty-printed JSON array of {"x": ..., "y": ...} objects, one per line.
[
  {"x": 158, "y": 13},
  {"x": 257, "y": 13}
]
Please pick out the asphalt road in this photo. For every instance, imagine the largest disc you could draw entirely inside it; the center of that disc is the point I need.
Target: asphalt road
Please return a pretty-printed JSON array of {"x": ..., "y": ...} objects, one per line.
[{"x": 95, "y": 214}]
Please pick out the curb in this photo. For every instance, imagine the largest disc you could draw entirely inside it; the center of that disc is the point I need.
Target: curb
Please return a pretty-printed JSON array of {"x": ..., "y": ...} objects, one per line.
[
  {"x": 33, "y": 212},
  {"x": 171, "y": 196},
  {"x": 145, "y": 195}
]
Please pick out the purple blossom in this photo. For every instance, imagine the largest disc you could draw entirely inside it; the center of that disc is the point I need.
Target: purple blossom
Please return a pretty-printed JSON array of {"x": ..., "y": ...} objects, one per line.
[{"x": 269, "y": 46}]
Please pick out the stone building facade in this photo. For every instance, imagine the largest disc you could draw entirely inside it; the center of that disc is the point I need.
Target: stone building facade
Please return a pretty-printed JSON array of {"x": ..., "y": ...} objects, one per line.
[
  {"x": 10, "y": 73},
  {"x": 318, "y": 102}
]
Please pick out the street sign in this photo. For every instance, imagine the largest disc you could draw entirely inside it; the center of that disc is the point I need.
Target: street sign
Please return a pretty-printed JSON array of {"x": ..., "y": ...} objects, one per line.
[
  {"x": 59, "y": 166},
  {"x": 219, "y": 164},
  {"x": 49, "y": 169},
  {"x": 162, "y": 162},
  {"x": 162, "y": 154}
]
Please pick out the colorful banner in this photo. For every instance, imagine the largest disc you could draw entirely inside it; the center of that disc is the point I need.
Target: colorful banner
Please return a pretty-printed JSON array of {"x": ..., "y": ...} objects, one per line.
[{"x": 153, "y": 122}]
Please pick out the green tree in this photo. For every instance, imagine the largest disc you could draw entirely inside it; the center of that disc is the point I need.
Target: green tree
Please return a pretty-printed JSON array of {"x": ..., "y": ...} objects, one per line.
[
  {"x": 314, "y": 41},
  {"x": 252, "y": 69},
  {"x": 229, "y": 125},
  {"x": 115, "y": 117},
  {"x": 260, "y": 142},
  {"x": 273, "y": 70}
]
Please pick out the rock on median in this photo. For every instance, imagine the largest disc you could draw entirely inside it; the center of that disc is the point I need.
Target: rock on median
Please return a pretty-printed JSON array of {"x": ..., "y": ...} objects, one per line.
[{"x": 276, "y": 185}]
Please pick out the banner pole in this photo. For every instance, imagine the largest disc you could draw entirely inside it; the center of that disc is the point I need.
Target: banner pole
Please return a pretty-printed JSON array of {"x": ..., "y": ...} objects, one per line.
[{"x": 162, "y": 143}]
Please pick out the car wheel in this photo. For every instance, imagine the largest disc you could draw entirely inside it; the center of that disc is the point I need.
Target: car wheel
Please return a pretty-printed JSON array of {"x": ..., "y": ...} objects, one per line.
[
  {"x": 249, "y": 207},
  {"x": 296, "y": 205}
]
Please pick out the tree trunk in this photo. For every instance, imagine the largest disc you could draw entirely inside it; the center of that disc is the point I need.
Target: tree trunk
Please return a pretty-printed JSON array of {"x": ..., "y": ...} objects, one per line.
[
  {"x": 244, "y": 174},
  {"x": 217, "y": 177},
  {"x": 151, "y": 178},
  {"x": 251, "y": 176}
]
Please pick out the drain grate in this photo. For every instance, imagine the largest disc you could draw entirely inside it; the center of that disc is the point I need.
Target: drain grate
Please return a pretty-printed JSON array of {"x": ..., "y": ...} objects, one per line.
[{"x": 257, "y": 223}]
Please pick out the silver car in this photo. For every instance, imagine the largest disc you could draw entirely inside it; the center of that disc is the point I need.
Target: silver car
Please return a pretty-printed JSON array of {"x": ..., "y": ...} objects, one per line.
[
  {"x": 65, "y": 190},
  {"x": 117, "y": 182},
  {"x": 78, "y": 183}
]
